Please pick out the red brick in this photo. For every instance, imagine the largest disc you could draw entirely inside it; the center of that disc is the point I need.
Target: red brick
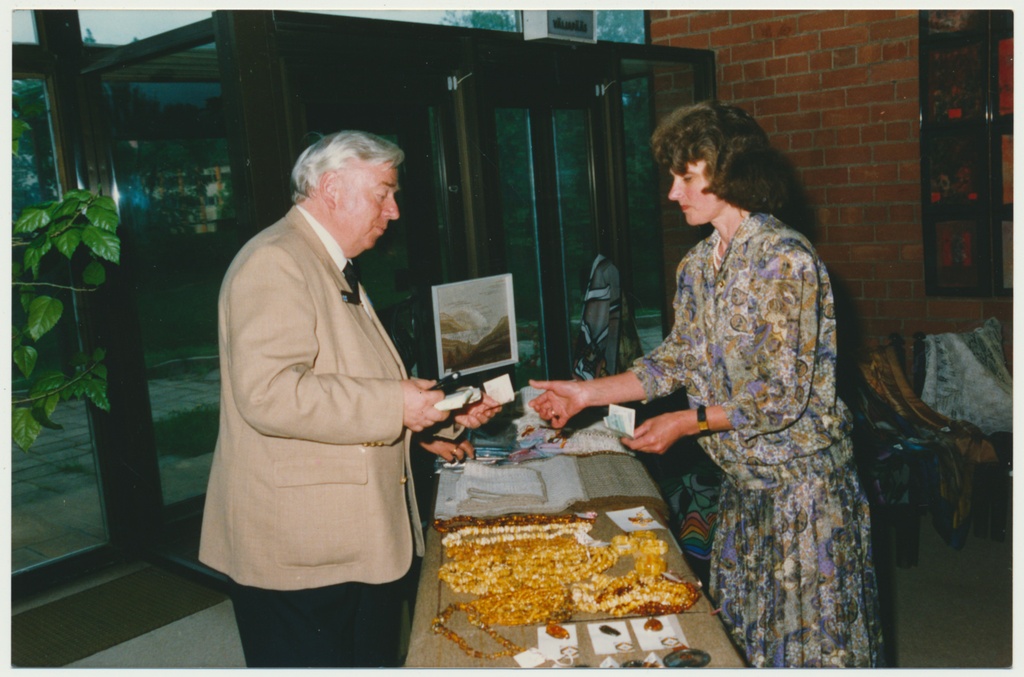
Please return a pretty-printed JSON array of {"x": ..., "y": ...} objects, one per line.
[
  {"x": 777, "y": 105},
  {"x": 774, "y": 67},
  {"x": 847, "y": 77},
  {"x": 903, "y": 214},
  {"x": 705, "y": 21},
  {"x": 751, "y": 90},
  {"x": 875, "y": 214},
  {"x": 775, "y": 30},
  {"x": 869, "y": 16},
  {"x": 874, "y": 252},
  {"x": 797, "y": 44},
  {"x": 819, "y": 21},
  {"x": 900, "y": 271},
  {"x": 802, "y": 120},
  {"x": 851, "y": 115},
  {"x": 847, "y": 136},
  {"x": 691, "y": 41},
  {"x": 674, "y": 26},
  {"x": 850, "y": 270},
  {"x": 894, "y": 51},
  {"x": 951, "y": 309},
  {"x": 912, "y": 252},
  {"x": 732, "y": 73},
  {"x": 892, "y": 71},
  {"x": 824, "y": 138},
  {"x": 797, "y": 83},
  {"x": 801, "y": 140},
  {"x": 893, "y": 30},
  {"x": 857, "y": 154},
  {"x": 898, "y": 131},
  {"x": 754, "y": 51},
  {"x": 872, "y": 133},
  {"x": 819, "y": 61},
  {"x": 850, "y": 194},
  {"x": 753, "y": 69},
  {"x": 826, "y": 176},
  {"x": 872, "y": 173},
  {"x": 900, "y": 289},
  {"x": 901, "y": 308},
  {"x": 870, "y": 53},
  {"x": 851, "y": 215},
  {"x": 895, "y": 192},
  {"x": 736, "y": 35},
  {"x": 844, "y": 58},
  {"x": 751, "y": 16},
  {"x": 897, "y": 110},
  {"x": 870, "y": 94},
  {"x": 895, "y": 152},
  {"x": 844, "y": 37},
  {"x": 853, "y": 233},
  {"x": 799, "y": 63}
]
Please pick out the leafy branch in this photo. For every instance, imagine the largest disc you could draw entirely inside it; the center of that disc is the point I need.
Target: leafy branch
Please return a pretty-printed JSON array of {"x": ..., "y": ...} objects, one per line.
[{"x": 83, "y": 224}]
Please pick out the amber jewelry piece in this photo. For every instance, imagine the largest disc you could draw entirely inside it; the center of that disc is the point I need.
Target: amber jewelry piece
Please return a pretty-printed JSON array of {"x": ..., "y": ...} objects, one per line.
[
  {"x": 654, "y": 625},
  {"x": 557, "y": 631},
  {"x": 609, "y": 630},
  {"x": 439, "y": 626},
  {"x": 461, "y": 521}
]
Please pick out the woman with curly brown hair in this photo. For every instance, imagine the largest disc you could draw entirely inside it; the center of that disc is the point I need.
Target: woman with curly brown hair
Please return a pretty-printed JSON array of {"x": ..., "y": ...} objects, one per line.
[{"x": 754, "y": 345}]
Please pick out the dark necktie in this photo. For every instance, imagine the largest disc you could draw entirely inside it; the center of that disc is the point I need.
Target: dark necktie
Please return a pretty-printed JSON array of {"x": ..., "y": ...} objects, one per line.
[{"x": 351, "y": 273}]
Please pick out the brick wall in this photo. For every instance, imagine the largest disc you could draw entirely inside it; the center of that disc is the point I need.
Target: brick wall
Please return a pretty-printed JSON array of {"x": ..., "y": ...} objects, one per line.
[{"x": 838, "y": 92}]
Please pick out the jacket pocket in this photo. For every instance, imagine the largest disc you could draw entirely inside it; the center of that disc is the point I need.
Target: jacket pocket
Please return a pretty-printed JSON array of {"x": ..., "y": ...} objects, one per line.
[{"x": 319, "y": 511}]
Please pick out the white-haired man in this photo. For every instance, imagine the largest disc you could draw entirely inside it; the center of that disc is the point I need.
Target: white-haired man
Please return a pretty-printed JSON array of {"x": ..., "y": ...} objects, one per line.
[{"x": 310, "y": 510}]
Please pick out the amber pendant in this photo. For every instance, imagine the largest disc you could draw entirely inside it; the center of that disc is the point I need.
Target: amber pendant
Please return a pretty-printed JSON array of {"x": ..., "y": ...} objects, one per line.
[
  {"x": 557, "y": 631},
  {"x": 609, "y": 630},
  {"x": 653, "y": 624}
]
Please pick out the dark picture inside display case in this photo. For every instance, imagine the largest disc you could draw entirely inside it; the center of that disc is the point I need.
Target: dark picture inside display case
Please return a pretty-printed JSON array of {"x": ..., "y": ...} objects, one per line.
[
  {"x": 955, "y": 83},
  {"x": 1006, "y": 243},
  {"x": 956, "y": 254},
  {"x": 1006, "y": 166},
  {"x": 956, "y": 169},
  {"x": 1004, "y": 71},
  {"x": 954, "y": 20}
]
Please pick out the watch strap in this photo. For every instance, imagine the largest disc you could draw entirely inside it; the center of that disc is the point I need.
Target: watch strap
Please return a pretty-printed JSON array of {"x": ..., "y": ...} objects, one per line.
[{"x": 702, "y": 419}]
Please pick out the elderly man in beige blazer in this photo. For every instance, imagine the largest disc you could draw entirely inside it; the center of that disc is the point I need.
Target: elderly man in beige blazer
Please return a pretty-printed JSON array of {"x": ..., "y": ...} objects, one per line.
[{"x": 310, "y": 510}]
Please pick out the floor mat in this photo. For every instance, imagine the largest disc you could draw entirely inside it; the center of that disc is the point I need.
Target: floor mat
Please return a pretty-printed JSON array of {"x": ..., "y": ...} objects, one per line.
[{"x": 63, "y": 631}]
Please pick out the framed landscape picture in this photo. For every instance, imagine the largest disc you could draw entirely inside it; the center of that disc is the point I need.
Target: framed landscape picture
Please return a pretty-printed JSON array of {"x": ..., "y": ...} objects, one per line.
[{"x": 475, "y": 325}]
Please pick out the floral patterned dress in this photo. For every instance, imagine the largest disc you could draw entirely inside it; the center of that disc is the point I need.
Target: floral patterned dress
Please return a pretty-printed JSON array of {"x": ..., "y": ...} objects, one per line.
[{"x": 791, "y": 565}]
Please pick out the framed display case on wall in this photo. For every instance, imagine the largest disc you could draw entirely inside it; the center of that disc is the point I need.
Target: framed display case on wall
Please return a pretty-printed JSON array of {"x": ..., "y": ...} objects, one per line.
[{"x": 966, "y": 62}]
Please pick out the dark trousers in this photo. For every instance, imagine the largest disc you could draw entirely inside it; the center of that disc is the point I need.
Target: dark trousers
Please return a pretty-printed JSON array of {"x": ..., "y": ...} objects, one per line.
[{"x": 348, "y": 625}]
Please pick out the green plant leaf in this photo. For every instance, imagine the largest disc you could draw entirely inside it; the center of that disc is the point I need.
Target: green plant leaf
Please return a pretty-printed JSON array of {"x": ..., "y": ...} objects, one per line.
[
  {"x": 94, "y": 274},
  {"x": 24, "y": 428},
  {"x": 70, "y": 205},
  {"x": 67, "y": 242},
  {"x": 96, "y": 391},
  {"x": 49, "y": 405},
  {"x": 79, "y": 359},
  {"x": 98, "y": 354},
  {"x": 101, "y": 371},
  {"x": 101, "y": 216},
  {"x": 25, "y": 357},
  {"x": 26, "y": 299},
  {"x": 19, "y": 128},
  {"x": 33, "y": 218},
  {"x": 42, "y": 417},
  {"x": 36, "y": 250},
  {"x": 104, "y": 244},
  {"x": 46, "y": 383},
  {"x": 43, "y": 314}
]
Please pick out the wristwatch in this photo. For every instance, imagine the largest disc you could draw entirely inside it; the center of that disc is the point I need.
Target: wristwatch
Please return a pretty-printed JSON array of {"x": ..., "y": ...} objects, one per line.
[{"x": 702, "y": 419}]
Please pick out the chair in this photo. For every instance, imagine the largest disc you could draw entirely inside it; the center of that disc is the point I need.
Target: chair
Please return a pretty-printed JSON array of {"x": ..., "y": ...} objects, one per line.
[
  {"x": 964, "y": 376},
  {"x": 913, "y": 458}
]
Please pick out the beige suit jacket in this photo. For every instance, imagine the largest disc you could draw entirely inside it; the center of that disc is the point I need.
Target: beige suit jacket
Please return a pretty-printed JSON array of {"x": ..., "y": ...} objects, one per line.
[{"x": 311, "y": 483}]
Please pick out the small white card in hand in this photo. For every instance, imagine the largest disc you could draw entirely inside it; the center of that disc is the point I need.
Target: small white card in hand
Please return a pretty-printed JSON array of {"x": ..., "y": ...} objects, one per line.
[
  {"x": 459, "y": 399},
  {"x": 606, "y": 642},
  {"x": 500, "y": 389},
  {"x": 621, "y": 419},
  {"x": 668, "y": 636}
]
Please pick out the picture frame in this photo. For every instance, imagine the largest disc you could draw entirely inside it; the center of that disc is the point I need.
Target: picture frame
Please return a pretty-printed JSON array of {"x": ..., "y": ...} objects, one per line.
[
  {"x": 475, "y": 325},
  {"x": 956, "y": 256},
  {"x": 1003, "y": 106},
  {"x": 954, "y": 168},
  {"x": 942, "y": 21},
  {"x": 954, "y": 83}
]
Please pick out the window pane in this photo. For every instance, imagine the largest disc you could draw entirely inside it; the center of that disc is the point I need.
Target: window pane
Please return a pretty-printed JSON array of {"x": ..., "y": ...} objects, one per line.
[
  {"x": 518, "y": 199},
  {"x": 621, "y": 25},
  {"x": 56, "y": 508},
  {"x": 176, "y": 199},
  {"x": 576, "y": 218},
  {"x": 23, "y": 27},
  {"x": 497, "y": 20},
  {"x": 119, "y": 27}
]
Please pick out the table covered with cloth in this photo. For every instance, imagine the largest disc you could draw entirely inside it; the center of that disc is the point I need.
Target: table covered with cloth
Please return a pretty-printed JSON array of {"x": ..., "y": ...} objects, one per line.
[{"x": 603, "y": 487}]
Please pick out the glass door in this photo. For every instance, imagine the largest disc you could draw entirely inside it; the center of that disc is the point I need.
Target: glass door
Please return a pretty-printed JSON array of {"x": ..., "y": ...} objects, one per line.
[{"x": 56, "y": 502}]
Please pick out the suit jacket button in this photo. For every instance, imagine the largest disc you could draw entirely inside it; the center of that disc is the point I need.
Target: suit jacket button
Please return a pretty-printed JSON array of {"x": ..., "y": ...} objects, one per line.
[{"x": 403, "y": 480}]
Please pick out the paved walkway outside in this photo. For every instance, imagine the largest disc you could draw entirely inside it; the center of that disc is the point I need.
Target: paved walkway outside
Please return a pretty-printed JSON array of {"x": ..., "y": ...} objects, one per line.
[{"x": 55, "y": 502}]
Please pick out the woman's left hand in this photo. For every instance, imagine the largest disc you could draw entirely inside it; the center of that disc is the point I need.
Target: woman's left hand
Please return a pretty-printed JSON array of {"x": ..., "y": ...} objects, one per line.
[
  {"x": 448, "y": 450},
  {"x": 480, "y": 412},
  {"x": 657, "y": 434}
]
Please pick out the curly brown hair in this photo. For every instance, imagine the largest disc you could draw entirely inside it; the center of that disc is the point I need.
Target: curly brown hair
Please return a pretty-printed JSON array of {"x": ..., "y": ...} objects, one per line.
[{"x": 742, "y": 167}]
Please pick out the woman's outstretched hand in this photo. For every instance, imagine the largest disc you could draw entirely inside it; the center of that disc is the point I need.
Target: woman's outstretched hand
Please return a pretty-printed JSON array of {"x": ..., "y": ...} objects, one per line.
[{"x": 560, "y": 402}]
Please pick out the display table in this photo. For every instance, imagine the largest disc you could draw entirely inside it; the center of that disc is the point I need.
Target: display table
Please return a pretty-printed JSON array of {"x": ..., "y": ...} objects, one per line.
[{"x": 612, "y": 482}]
